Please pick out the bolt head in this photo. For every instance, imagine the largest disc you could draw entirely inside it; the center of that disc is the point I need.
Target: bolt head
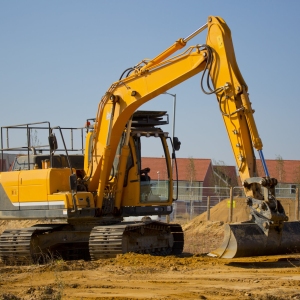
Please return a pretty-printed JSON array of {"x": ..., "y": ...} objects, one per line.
[{"x": 266, "y": 225}]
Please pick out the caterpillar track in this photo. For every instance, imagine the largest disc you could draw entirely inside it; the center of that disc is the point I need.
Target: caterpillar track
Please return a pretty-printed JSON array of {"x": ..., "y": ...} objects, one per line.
[
  {"x": 153, "y": 238},
  {"x": 39, "y": 243},
  {"x": 17, "y": 245}
]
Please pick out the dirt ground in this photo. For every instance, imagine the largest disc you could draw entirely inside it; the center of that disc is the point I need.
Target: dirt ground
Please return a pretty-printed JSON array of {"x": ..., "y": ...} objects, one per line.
[{"x": 193, "y": 275}]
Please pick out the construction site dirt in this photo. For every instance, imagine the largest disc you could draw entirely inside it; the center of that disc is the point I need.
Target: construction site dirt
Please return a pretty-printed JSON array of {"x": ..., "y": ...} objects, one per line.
[{"x": 192, "y": 275}]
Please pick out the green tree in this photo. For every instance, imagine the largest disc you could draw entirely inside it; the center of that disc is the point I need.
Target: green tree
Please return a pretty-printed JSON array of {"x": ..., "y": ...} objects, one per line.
[
  {"x": 280, "y": 171},
  {"x": 296, "y": 176},
  {"x": 191, "y": 174},
  {"x": 222, "y": 177},
  {"x": 34, "y": 140}
]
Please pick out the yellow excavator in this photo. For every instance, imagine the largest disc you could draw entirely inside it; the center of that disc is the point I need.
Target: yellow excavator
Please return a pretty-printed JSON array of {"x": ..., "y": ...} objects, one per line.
[{"x": 91, "y": 201}]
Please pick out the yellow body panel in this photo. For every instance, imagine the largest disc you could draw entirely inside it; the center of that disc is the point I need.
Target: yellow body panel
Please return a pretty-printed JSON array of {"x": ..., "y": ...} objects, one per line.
[
  {"x": 83, "y": 199},
  {"x": 63, "y": 196},
  {"x": 131, "y": 193},
  {"x": 36, "y": 185},
  {"x": 58, "y": 180},
  {"x": 9, "y": 181},
  {"x": 33, "y": 185}
]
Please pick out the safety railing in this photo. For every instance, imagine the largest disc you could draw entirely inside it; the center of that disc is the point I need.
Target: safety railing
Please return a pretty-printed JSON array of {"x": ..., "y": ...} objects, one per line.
[{"x": 32, "y": 138}]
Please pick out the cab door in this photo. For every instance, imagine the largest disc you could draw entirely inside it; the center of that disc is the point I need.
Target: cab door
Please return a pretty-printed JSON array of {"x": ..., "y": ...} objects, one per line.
[{"x": 147, "y": 181}]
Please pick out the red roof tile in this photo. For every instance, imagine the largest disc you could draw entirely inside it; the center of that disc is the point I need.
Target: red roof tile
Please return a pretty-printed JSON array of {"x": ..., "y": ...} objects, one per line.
[
  {"x": 157, "y": 164},
  {"x": 230, "y": 172},
  {"x": 285, "y": 171}
]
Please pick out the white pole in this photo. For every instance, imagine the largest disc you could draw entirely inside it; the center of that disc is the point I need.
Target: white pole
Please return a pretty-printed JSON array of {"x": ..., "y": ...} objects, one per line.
[{"x": 174, "y": 112}]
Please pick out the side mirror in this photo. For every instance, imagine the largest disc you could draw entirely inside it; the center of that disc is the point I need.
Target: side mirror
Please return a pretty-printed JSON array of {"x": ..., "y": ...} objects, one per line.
[
  {"x": 176, "y": 143},
  {"x": 73, "y": 182},
  {"x": 52, "y": 142}
]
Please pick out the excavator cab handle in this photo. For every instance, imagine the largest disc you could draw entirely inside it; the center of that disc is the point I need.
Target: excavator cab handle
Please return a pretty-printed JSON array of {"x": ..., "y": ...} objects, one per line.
[
  {"x": 52, "y": 142},
  {"x": 176, "y": 143},
  {"x": 73, "y": 182}
]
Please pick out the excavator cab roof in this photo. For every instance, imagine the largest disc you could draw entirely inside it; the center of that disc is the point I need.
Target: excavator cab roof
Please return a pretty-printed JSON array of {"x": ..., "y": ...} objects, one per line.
[
  {"x": 149, "y": 118},
  {"x": 144, "y": 123}
]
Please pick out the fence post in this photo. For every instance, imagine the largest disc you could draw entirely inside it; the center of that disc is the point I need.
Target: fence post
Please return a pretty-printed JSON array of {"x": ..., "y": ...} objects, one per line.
[
  {"x": 231, "y": 205},
  {"x": 208, "y": 208},
  {"x": 297, "y": 205},
  {"x": 191, "y": 209}
]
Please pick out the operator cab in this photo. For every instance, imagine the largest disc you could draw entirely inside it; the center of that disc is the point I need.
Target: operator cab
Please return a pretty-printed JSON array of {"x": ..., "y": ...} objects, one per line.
[
  {"x": 155, "y": 174},
  {"x": 147, "y": 181}
]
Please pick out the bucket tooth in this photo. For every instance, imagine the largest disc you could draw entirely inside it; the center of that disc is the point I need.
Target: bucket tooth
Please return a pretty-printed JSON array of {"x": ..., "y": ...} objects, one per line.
[{"x": 248, "y": 239}]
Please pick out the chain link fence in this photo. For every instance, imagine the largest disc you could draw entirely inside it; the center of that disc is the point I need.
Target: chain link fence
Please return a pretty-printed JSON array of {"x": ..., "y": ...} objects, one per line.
[{"x": 196, "y": 200}]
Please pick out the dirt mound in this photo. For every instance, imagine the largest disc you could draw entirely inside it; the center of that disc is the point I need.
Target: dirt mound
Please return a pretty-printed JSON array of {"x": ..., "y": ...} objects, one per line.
[
  {"x": 220, "y": 212},
  {"x": 202, "y": 236}
]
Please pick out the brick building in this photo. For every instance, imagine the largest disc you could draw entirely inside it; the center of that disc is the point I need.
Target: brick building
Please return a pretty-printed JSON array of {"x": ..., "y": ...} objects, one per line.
[{"x": 287, "y": 173}]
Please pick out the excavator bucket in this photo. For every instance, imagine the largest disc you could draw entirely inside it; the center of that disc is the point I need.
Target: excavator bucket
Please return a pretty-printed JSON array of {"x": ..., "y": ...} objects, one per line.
[{"x": 248, "y": 239}]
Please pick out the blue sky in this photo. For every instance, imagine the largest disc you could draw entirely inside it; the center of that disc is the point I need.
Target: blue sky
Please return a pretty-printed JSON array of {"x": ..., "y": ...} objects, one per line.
[{"x": 57, "y": 58}]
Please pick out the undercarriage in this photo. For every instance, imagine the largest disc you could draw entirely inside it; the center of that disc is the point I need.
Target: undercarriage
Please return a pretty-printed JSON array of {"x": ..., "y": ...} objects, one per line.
[{"x": 43, "y": 242}]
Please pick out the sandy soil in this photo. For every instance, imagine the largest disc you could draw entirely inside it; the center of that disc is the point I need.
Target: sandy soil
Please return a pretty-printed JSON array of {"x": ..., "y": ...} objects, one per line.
[
  {"x": 193, "y": 275},
  {"x": 134, "y": 276}
]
